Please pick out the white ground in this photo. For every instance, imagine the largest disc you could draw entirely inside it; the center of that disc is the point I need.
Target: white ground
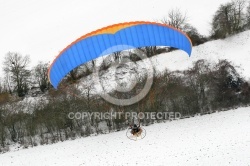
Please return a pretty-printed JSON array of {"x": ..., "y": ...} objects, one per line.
[{"x": 217, "y": 139}]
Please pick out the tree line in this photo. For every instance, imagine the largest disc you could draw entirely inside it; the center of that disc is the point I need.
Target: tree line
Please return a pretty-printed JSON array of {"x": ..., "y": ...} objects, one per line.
[
  {"x": 202, "y": 89},
  {"x": 231, "y": 18}
]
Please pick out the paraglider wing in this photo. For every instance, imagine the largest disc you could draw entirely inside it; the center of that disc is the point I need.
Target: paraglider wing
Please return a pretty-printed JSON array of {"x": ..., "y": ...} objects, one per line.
[{"x": 115, "y": 38}]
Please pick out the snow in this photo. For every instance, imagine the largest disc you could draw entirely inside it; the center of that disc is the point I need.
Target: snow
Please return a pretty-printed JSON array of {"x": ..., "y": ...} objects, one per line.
[
  {"x": 235, "y": 49},
  {"x": 27, "y": 105},
  {"x": 221, "y": 138},
  {"x": 120, "y": 74}
]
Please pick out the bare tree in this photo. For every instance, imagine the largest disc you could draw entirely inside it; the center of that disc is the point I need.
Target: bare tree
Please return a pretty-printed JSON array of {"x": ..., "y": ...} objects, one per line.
[
  {"x": 228, "y": 19},
  {"x": 2, "y": 89},
  {"x": 41, "y": 76},
  {"x": 176, "y": 19},
  {"x": 149, "y": 51},
  {"x": 198, "y": 79},
  {"x": 15, "y": 66},
  {"x": 248, "y": 16},
  {"x": 238, "y": 8},
  {"x": 7, "y": 82},
  {"x": 117, "y": 55}
]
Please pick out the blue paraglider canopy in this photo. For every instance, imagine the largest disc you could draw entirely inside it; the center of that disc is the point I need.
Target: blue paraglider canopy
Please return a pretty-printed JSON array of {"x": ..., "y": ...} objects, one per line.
[{"x": 115, "y": 38}]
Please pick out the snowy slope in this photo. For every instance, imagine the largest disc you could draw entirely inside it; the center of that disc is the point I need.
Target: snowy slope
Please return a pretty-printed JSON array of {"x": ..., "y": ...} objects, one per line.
[
  {"x": 235, "y": 49},
  {"x": 217, "y": 139}
]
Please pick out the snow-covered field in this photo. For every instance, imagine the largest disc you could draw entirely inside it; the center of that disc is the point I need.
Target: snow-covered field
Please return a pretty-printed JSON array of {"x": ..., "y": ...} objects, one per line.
[{"x": 218, "y": 139}]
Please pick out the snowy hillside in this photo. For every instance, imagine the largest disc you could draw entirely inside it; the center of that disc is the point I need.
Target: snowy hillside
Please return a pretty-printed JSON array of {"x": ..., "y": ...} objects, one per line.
[
  {"x": 235, "y": 49},
  {"x": 194, "y": 111},
  {"x": 217, "y": 139}
]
